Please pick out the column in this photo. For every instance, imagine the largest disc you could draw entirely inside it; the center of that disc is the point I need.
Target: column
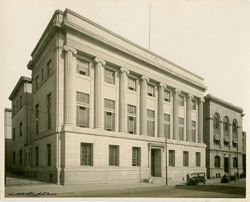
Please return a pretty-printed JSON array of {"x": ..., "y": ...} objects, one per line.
[
  {"x": 230, "y": 136},
  {"x": 99, "y": 102},
  {"x": 143, "y": 105},
  {"x": 91, "y": 96},
  {"x": 69, "y": 93},
  {"x": 123, "y": 99},
  {"x": 161, "y": 110},
  {"x": 175, "y": 114},
  {"x": 200, "y": 120},
  {"x": 188, "y": 118}
]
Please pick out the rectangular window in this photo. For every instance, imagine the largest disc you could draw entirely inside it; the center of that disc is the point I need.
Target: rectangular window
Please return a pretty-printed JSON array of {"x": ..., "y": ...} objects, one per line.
[
  {"x": 14, "y": 158},
  {"x": 109, "y": 76},
  {"x": 136, "y": 156},
  {"x": 113, "y": 155},
  {"x": 167, "y": 96},
  {"x": 193, "y": 131},
  {"x": 181, "y": 100},
  {"x": 198, "y": 159},
  {"x": 36, "y": 82},
  {"x": 42, "y": 74},
  {"x": 167, "y": 126},
  {"x": 49, "y": 110},
  {"x": 109, "y": 114},
  {"x": 48, "y": 154},
  {"x": 49, "y": 68},
  {"x": 171, "y": 160},
  {"x": 82, "y": 67},
  {"x": 87, "y": 154},
  {"x": 37, "y": 156},
  {"x": 151, "y": 90},
  {"x": 21, "y": 101},
  {"x": 185, "y": 158},
  {"x": 82, "y": 110},
  {"x": 21, "y": 129},
  {"x": 132, "y": 84},
  {"x": 37, "y": 118},
  {"x": 14, "y": 133},
  {"x": 150, "y": 123},
  {"x": 193, "y": 105},
  {"x": 181, "y": 128},
  {"x": 20, "y": 157},
  {"x": 131, "y": 119}
]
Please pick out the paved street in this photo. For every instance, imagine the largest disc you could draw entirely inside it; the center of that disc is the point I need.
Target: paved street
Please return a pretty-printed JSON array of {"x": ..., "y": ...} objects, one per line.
[{"x": 213, "y": 189}]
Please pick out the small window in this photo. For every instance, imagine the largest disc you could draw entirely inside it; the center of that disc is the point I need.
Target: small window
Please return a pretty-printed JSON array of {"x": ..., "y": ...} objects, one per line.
[
  {"x": 193, "y": 105},
  {"x": 171, "y": 161},
  {"x": 185, "y": 158},
  {"x": 82, "y": 67},
  {"x": 21, "y": 101},
  {"x": 235, "y": 162},
  {"x": 217, "y": 162},
  {"x": 181, "y": 100},
  {"x": 21, "y": 129},
  {"x": 151, "y": 90},
  {"x": 42, "y": 74},
  {"x": 113, "y": 155},
  {"x": 167, "y": 96},
  {"x": 198, "y": 159},
  {"x": 109, "y": 76},
  {"x": 48, "y": 154},
  {"x": 87, "y": 154},
  {"x": 49, "y": 68},
  {"x": 136, "y": 156},
  {"x": 132, "y": 84}
]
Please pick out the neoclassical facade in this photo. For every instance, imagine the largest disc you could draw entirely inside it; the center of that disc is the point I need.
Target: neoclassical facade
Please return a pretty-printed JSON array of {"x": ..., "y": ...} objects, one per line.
[
  {"x": 107, "y": 110},
  {"x": 223, "y": 137}
]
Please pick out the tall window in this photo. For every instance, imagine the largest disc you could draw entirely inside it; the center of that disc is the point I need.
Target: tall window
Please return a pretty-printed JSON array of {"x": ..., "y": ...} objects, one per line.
[
  {"x": 216, "y": 123},
  {"x": 131, "y": 84},
  {"x": 49, "y": 68},
  {"x": 37, "y": 155},
  {"x": 14, "y": 158},
  {"x": 198, "y": 159},
  {"x": 151, "y": 90},
  {"x": 167, "y": 126},
  {"x": 37, "y": 119},
  {"x": 166, "y": 96},
  {"x": 109, "y": 76},
  {"x": 49, "y": 110},
  {"x": 48, "y": 154},
  {"x": 20, "y": 157},
  {"x": 14, "y": 133},
  {"x": 181, "y": 100},
  {"x": 131, "y": 119},
  {"x": 235, "y": 162},
  {"x": 21, "y": 100},
  {"x": 136, "y": 156},
  {"x": 36, "y": 82},
  {"x": 87, "y": 154},
  {"x": 181, "y": 128},
  {"x": 193, "y": 131},
  {"x": 151, "y": 122},
  {"x": 193, "y": 105},
  {"x": 109, "y": 114},
  {"x": 217, "y": 162},
  {"x": 185, "y": 158},
  {"x": 226, "y": 125},
  {"x": 21, "y": 129},
  {"x": 42, "y": 74},
  {"x": 171, "y": 160},
  {"x": 235, "y": 133},
  {"x": 82, "y": 110},
  {"x": 82, "y": 67},
  {"x": 113, "y": 155}
]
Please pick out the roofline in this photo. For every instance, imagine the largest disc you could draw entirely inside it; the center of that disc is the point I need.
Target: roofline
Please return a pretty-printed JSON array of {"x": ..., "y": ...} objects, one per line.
[
  {"x": 21, "y": 81},
  {"x": 210, "y": 97}
]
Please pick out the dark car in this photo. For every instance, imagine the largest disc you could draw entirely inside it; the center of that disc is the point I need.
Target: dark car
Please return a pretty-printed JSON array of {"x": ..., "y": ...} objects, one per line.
[
  {"x": 227, "y": 178},
  {"x": 196, "y": 178}
]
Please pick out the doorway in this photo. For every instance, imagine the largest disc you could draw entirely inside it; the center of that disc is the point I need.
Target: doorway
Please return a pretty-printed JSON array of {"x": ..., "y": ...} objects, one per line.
[
  {"x": 226, "y": 164},
  {"x": 156, "y": 162}
]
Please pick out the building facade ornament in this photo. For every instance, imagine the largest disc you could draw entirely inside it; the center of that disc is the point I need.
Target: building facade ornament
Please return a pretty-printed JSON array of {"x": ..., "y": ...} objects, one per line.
[
  {"x": 68, "y": 48},
  {"x": 99, "y": 60}
]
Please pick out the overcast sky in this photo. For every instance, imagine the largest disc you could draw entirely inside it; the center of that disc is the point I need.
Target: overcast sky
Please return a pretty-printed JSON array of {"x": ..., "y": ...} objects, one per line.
[{"x": 209, "y": 38}]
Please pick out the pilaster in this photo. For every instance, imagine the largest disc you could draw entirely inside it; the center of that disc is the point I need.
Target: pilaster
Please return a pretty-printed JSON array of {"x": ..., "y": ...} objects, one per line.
[{"x": 143, "y": 105}]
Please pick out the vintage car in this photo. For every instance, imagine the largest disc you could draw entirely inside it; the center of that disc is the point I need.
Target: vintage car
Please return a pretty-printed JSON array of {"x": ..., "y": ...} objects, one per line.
[
  {"x": 227, "y": 178},
  {"x": 196, "y": 178}
]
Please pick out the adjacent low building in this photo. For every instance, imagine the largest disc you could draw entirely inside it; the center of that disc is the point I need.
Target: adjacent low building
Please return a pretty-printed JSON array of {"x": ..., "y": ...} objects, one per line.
[{"x": 223, "y": 137}]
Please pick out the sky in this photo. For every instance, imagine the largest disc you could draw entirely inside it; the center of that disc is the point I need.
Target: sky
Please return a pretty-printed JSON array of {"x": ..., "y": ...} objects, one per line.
[{"x": 209, "y": 38}]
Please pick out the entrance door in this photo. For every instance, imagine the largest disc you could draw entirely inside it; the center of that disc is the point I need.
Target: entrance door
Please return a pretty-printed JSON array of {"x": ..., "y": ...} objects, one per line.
[
  {"x": 226, "y": 164},
  {"x": 156, "y": 162}
]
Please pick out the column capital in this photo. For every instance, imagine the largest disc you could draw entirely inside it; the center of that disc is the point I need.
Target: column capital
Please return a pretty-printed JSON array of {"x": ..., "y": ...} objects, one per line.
[
  {"x": 99, "y": 60},
  {"x": 144, "y": 78},
  {"x": 124, "y": 70},
  {"x": 190, "y": 96},
  {"x": 162, "y": 85},
  {"x": 176, "y": 90},
  {"x": 201, "y": 99},
  {"x": 68, "y": 48}
]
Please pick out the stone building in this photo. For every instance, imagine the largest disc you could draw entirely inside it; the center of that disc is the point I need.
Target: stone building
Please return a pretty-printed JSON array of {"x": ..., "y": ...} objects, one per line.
[
  {"x": 7, "y": 137},
  {"x": 107, "y": 110},
  {"x": 223, "y": 137}
]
